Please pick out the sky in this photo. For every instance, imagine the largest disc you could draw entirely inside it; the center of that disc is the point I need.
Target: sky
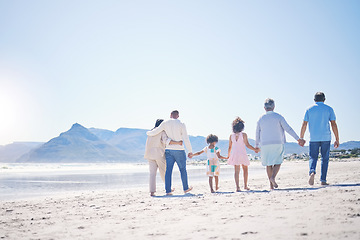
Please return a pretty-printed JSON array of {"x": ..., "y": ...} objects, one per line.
[{"x": 110, "y": 64}]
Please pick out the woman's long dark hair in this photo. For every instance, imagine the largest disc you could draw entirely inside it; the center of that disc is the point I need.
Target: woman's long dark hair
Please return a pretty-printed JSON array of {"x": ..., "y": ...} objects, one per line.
[{"x": 158, "y": 122}]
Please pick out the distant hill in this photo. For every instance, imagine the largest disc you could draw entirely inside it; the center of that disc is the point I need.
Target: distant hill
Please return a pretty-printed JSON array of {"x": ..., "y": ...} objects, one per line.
[
  {"x": 80, "y": 144},
  {"x": 11, "y": 152},
  {"x": 133, "y": 140},
  {"x": 76, "y": 145},
  {"x": 128, "y": 140},
  {"x": 348, "y": 145}
]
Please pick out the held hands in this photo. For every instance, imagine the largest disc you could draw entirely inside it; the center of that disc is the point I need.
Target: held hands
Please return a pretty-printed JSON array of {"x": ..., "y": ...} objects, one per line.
[
  {"x": 257, "y": 150},
  {"x": 301, "y": 142},
  {"x": 190, "y": 155}
]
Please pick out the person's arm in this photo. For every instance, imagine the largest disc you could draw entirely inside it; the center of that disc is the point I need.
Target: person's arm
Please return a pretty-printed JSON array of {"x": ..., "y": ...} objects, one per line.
[
  {"x": 156, "y": 131},
  {"x": 198, "y": 153},
  {"x": 257, "y": 138},
  {"x": 168, "y": 141},
  {"x": 289, "y": 129},
  {"x": 176, "y": 142},
  {"x": 303, "y": 129},
  {"x": 336, "y": 133},
  {"x": 221, "y": 157},
  {"x": 247, "y": 144},
  {"x": 230, "y": 146},
  {"x": 186, "y": 140},
  {"x": 302, "y": 133}
]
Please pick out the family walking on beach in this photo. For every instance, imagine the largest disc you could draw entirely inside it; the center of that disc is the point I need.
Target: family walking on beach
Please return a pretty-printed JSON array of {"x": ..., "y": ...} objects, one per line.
[{"x": 165, "y": 146}]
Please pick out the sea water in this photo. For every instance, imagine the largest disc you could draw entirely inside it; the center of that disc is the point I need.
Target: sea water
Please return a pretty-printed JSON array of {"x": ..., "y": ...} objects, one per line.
[{"x": 24, "y": 180}]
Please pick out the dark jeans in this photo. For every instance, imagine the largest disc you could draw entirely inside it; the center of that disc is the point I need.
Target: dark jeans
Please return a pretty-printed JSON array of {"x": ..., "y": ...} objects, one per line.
[{"x": 324, "y": 148}]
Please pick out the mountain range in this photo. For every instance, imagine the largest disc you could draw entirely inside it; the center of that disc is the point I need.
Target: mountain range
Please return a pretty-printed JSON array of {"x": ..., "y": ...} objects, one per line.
[{"x": 80, "y": 144}]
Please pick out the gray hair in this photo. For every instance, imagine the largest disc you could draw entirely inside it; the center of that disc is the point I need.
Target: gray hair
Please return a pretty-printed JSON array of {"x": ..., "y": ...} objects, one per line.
[{"x": 269, "y": 104}]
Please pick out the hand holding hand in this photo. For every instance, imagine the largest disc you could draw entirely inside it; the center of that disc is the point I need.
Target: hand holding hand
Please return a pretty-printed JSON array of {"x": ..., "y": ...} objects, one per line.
[
  {"x": 301, "y": 142},
  {"x": 190, "y": 155},
  {"x": 336, "y": 144},
  {"x": 257, "y": 150}
]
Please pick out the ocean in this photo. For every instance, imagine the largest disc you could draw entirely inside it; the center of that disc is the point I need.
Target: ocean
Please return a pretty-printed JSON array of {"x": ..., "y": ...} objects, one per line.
[{"x": 26, "y": 180}]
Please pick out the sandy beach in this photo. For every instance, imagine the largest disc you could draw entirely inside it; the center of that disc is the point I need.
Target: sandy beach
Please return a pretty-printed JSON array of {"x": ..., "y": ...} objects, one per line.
[{"x": 294, "y": 211}]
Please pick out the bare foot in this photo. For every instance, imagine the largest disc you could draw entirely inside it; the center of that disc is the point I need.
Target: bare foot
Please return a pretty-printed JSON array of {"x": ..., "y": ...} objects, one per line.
[
  {"x": 272, "y": 180},
  {"x": 271, "y": 186},
  {"x": 311, "y": 179},
  {"x": 212, "y": 191},
  {"x": 238, "y": 190},
  {"x": 152, "y": 194},
  {"x": 173, "y": 190},
  {"x": 217, "y": 188},
  {"x": 169, "y": 194},
  {"x": 190, "y": 188},
  {"x": 247, "y": 188},
  {"x": 324, "y": 183}
]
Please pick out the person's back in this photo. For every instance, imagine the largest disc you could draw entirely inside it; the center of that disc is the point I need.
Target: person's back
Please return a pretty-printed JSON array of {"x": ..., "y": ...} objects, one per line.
[
  {"x": 155, "y": 146},
  {"x": 318, "y": 117},
  {"x": 176, "y": 131},
  {"x": 272, "y": 126}
]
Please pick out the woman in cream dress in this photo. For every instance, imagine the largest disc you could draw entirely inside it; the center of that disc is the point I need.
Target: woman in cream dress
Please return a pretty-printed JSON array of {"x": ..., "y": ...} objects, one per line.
[{"x": 155, "y": 154}]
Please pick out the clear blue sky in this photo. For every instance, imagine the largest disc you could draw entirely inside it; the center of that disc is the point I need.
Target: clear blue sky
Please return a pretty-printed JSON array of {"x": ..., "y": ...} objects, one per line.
[{"x": 111, "y": 64}]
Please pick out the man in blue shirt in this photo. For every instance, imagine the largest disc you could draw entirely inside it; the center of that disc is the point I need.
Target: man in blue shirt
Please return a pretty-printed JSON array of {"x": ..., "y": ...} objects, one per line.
[{"x": 320, "y": 116}]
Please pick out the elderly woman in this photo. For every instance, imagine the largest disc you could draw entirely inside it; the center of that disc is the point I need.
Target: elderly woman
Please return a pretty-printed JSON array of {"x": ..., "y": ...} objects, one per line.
[
  {"x": 270, "y": 136},
  {"x": 155, "y": 154}
]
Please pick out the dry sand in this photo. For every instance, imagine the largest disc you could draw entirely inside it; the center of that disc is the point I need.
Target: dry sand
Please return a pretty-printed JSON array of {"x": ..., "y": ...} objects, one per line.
[{"x": 294, "y": 211}]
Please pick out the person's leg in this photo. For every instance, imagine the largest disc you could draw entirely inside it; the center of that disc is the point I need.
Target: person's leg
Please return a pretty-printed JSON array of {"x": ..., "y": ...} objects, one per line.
[
  {"x": 162, "y": 167},
  {"x": 211, "y": 184},
  {"x": 180, "y": 158},
  {"x": 236, "y": 176},
  {"x": 275, "y": 171},
  {"x": 314, "y": 155},
  {"x": 246, "y": 175},
  {"x": 170, "y": 161},
  {"x": 152, "y": 180},
  {"x": 325, "y": 152},
  {"x": 269, "y": 171},
  {"x": 217, "y": 183}
]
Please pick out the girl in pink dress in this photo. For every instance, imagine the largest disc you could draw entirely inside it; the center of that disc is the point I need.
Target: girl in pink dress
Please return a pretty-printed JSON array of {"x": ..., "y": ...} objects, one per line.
[{"x": 237, "y": 152}]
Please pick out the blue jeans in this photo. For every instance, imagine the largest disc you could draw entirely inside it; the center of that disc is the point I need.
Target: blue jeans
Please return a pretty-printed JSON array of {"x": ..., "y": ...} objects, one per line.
[
  {"x": 324, "y": 148},
  {"x": 179, "y": 157}
]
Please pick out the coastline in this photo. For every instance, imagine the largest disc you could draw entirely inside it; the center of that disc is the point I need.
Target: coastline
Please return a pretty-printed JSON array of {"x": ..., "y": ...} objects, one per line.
[{"x": 294, "y": 211}]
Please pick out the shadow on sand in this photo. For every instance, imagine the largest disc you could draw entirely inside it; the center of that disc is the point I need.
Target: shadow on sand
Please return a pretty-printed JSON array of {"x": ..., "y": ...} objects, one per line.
[
  {"x": 263, "y": 191},
  {"x": 317, "y": 188},
  {"x": 178, "y": 196}
]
